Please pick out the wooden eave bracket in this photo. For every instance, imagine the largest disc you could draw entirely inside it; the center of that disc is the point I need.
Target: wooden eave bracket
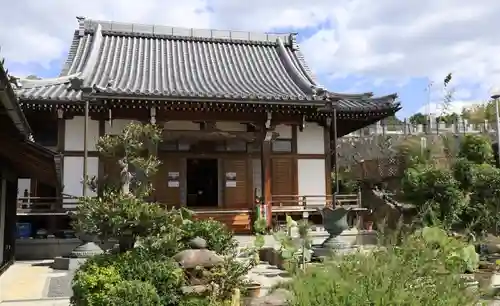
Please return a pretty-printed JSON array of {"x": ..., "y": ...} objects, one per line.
[
  {"x": 302, "y": 124},
  {"x": 269, "y": 127},
  {"x": 269, "y": 119},
  {"x": 268, "y": 136}
]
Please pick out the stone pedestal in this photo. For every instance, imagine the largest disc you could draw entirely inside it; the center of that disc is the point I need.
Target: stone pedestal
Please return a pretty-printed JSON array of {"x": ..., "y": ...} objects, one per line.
[
  {"x": 68, "y": 264},
  {"x": 341, "y": 238},
  {"x": 366, "y": 237},
  {"x": 77, "y": 257},
  {"x": 346, "y": 239}
]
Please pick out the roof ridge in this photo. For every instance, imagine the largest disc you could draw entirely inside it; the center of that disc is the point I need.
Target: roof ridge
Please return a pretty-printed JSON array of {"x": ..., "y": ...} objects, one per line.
[
  {"x": 84, "y": 71},
  {"x": 136, "y": 29},
  {"x": 34, "y": 83},
  {"x": 302, "y": 81}
]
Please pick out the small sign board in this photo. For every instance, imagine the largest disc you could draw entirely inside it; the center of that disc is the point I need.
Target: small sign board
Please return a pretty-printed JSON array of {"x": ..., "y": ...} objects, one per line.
[
  {"x": 173, "y": 184},
  {"x": 230, "y": 183},
  {"x": 230, "y": 179},
  {"x": 173, "y": 179},
  {"x": 173, "y": 175}
]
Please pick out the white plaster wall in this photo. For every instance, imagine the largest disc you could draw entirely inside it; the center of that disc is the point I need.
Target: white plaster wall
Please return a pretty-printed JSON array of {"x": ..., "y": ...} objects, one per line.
[
  {"x": 181, "y": 125},
  {"x": 116, "y": 126},
  {"x": 73, "y": 136},
  {"x": 257, "y": 176},
  {"x": 284, "y": 131},
  {"x": 73, "y": 175},
  {"x": 231, "y": 126},
  {"x": 311, "y": 177},
  {"x": 23, "y": 184},
  {"x": 311, "y": 140}
]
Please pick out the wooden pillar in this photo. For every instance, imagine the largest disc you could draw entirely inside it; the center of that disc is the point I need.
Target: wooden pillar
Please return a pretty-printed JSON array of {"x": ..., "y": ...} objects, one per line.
[
  {"x": 33, "y": 192},
  {"x": 266, "y": 168},
  {"x": 328, "y": 155},
  {"x": 266, "y": 179},
  {"x": 101, "y": 161},
  {"x": 295, "y": 160},
  {"x": 61, "y": 130}
]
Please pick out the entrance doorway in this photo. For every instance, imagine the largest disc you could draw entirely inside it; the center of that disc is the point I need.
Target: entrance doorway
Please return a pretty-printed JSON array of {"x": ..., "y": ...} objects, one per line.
[{"x": 202, "y": 182}]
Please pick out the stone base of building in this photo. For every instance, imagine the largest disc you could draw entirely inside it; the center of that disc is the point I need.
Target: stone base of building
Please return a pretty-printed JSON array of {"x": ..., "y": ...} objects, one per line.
[{"x": 39, "y": 249}]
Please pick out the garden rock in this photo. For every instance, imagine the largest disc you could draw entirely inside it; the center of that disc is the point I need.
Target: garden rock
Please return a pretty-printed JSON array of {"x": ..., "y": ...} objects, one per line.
[
  {"x": 196, "y": 290},
  {"x": 198, "y": 243},
  {"x": 198, "y": 256},
  {"x": 194, "y": 262}
]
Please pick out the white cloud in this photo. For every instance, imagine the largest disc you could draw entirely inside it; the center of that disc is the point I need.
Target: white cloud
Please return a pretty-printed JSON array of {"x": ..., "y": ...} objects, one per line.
[
  {"x": 438, "y": 109},
  {"x": 387, "y": 40},
  {"x": 41, "y": 31},
  {"x": 397, "y": 40}
]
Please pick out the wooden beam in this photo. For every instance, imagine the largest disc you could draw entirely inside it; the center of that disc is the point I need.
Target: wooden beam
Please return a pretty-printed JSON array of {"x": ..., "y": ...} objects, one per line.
[{"x": 171, "y": 135}]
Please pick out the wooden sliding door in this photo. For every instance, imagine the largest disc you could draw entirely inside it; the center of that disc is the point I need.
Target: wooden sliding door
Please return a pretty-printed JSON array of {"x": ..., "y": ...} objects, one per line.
[
  {"x": 283, "y": 180},
  {"x": 169, "y": 180},
  {"x": 236, "y": 183}
]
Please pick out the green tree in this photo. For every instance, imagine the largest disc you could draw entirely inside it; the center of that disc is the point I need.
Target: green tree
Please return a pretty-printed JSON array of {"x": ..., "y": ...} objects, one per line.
[
  {"x": 418, "y": 118},
  {"x": 463, "y": 193},
  {"x": 480, "y": 112},
  {"x": 435, "y": 193},
  {"x": 477, "y": 149},
  {"x": 392, "y": 123},
  {"x": 123, "y": 212},
  {"x": 449, "y": 118}
]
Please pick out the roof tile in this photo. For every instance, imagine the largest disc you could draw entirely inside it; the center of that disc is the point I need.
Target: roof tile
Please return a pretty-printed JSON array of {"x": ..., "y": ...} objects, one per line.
[{"x": 158, "y": 61}]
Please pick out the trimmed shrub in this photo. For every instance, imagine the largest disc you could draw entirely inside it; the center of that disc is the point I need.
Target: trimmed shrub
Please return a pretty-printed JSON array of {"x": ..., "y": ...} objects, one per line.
[
  {"x": 91, "y": 285},
  {"x": 133, "y": 293},
  {"x": 161, "y": 272},
  {"x": 164, "y": 274},
  {"x": 218, "y": 237}
]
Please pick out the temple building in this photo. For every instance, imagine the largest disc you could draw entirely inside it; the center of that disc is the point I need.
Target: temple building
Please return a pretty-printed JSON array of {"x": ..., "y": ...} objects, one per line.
[
  {"x": 245, "y": 120},
  {"x": 21, "y": 157}
]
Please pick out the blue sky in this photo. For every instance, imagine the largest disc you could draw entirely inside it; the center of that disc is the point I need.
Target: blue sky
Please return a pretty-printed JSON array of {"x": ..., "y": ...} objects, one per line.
[{"x": 381, "y": 46}]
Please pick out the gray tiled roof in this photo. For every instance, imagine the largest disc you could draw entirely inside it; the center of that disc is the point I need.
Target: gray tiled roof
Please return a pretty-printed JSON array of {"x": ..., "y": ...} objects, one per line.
[
  {"x": 9, "y": 103},
  {"x": 166, "y": 62}
]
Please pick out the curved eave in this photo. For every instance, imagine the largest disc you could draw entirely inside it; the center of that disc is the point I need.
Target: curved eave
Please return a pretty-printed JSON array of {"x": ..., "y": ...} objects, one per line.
[
  {"x": 101, "y": 102},
  {"x": 337, "y": 95},
  {"x": 9, "y": 101}
]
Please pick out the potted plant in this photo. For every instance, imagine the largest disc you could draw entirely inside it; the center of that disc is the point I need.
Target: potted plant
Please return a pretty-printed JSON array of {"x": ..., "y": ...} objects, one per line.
[
  {"x": 369, "y": 225},
  {"x": 293, "y": 252},
  {"x": 252, "y": 290},
  {"x": 495, "y": 275}
]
